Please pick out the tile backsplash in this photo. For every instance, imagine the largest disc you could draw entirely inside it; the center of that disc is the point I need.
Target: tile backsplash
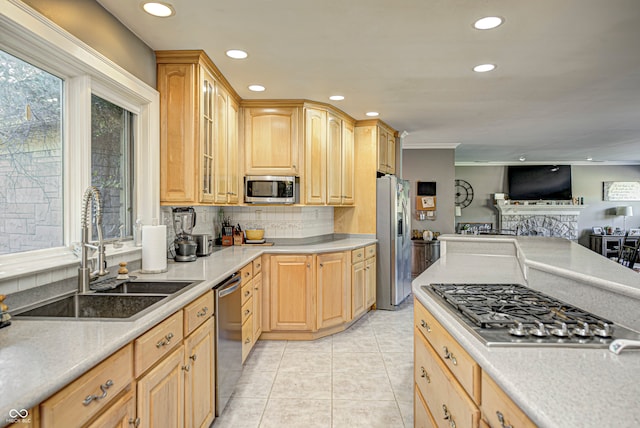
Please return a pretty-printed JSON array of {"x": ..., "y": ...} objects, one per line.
[{"x": 277, "y": 221}]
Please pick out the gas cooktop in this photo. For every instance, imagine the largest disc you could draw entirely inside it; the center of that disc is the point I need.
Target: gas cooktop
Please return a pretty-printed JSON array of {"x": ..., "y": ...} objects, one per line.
[{"x": 515, "y": 315}]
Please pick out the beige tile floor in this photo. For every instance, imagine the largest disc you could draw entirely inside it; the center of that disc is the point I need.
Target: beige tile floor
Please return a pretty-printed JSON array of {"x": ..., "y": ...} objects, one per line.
[{"x": 362, "y": 377}]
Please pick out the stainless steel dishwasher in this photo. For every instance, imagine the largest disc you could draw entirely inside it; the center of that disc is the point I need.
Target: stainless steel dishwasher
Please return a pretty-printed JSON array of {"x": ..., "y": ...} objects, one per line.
[{"x": 228, "y": 352}]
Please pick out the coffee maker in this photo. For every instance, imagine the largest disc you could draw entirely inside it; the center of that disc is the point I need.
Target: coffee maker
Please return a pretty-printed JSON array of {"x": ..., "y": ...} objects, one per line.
[{"x": 184, "y": 220}]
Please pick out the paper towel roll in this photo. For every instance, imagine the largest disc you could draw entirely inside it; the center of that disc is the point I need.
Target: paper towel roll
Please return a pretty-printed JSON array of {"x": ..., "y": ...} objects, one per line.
[{"x": 154, "y": 249}]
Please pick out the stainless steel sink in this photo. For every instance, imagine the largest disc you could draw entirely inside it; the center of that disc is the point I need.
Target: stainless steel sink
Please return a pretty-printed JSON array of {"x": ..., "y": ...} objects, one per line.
[
  {"x": 94, "y": 306},
  {"x": 147, "y": 287}
]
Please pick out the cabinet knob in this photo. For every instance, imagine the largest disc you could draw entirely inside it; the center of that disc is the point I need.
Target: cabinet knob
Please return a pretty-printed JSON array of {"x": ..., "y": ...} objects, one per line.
[
  {"x": 247, "y": 340},
  {"x": 135, "y": 422},
  {"x": 202, "y": 312},
  {"x": 424, "y": 325},
  {"x": 193, "y": 357},
  {"x": 247, "y": 312},
  {"x": 186, "y": 368}
]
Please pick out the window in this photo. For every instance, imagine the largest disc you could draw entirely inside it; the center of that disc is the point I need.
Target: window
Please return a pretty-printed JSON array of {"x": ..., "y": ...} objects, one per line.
[
  {"x": 111, "y": 165},
  {"x": 31, "y": 204},
  {"x": 49, "y": 52}
]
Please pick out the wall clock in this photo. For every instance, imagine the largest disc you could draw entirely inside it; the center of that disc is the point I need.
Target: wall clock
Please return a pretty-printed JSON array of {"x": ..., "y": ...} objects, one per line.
[{"x": 464, "y": 193}]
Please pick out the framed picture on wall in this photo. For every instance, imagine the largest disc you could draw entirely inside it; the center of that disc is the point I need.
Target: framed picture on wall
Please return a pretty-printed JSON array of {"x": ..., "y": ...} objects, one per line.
[
  {"x": 597, "y": 230},
  {"x": 634, "y": 232}
]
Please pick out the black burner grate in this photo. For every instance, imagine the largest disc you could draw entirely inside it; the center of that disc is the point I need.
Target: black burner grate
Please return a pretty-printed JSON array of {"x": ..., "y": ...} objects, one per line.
[{"x": 504, "y": 305}]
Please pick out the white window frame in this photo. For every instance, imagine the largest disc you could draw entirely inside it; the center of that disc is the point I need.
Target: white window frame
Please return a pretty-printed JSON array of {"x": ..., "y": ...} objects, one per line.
[{"x": 33, "y": 38}]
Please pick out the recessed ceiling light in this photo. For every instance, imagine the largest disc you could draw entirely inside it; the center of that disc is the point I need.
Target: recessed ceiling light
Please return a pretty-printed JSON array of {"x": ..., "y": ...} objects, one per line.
[
  {"x": 256, "y": 88},
  {"x": 372, "y": 113},
  {"x": 336, "y": 98},
  {"x": 522, "y": 158},
  {"x": 159, "y": 9},
  {"x": 237, "y": 54},
  {"x": 482, "y": 68},
  {"x": 488, "y": 22}
]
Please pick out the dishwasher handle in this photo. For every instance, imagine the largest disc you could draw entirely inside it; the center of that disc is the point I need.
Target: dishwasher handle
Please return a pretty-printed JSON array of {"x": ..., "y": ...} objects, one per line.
[{"x": 229, "y": 286}]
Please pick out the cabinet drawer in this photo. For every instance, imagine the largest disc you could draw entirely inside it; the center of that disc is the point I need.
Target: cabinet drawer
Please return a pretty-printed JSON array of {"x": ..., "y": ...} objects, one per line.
[
  {"x": 463, "y": 367},
  {"x": 369, "y": 251},
  {"x": 446, "y": 399},
  {"x": 247, "y": 292},
  {"x": 246, "y": 273},
  {"x": 157, "y": 342},
  {"x": 422, "y": 416},
  {"x": 357, "y": 255},
  {"x": 496, "y": 405},
  {"x": 91, "y": 393},
  {"x": 247, "y": 310},
  {"x": 197, "y": 312},
  {"x": 257, "y": 266},
  {"x": 247, "y": 338}
]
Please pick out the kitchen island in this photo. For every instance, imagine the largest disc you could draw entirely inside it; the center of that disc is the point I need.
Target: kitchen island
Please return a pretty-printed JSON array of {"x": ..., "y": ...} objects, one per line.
[
  {"x": 39, "y": 357},
  {"x": 553, "y": 386}
]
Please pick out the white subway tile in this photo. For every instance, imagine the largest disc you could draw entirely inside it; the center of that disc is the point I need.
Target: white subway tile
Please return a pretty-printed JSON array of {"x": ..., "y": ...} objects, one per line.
[
  {"x": 43, "y": 278},
  {"x": 8, "y": 287},
  {"x": 27, "y": 282}
]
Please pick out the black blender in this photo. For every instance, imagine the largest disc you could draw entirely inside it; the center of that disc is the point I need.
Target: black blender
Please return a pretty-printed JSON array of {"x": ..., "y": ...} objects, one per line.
[{"x": 184, "y": 220}]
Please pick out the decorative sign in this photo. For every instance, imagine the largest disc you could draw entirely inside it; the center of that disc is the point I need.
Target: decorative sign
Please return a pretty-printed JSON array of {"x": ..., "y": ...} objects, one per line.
[
  {"x": 425, "y": 203},
  {"x": 621, "y": 191}
]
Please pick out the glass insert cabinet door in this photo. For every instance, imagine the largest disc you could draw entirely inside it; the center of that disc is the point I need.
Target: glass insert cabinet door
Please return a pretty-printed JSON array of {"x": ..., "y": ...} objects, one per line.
[{"x": 207, "y": 129}]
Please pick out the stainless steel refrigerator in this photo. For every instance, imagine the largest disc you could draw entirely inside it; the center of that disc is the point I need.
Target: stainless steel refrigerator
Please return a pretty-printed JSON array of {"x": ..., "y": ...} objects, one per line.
[{"x": 394, "y": 242}]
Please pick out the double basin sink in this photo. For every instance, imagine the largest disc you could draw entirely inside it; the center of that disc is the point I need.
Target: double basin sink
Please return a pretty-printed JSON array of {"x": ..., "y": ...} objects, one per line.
[{"x": 113, "y": 300}]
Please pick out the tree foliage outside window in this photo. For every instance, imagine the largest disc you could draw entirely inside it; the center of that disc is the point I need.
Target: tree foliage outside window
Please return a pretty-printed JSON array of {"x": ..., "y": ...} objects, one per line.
[
  {"x": 111, "y": 165},
  {"x": 31, "y": 205}
]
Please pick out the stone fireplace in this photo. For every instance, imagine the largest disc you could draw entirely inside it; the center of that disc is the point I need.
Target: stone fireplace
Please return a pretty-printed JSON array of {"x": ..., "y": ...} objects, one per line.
[{"x": 540, "y": 219}]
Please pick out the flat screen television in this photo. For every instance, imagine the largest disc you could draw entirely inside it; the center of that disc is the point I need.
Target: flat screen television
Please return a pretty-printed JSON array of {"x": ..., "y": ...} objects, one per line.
[{"x": 539, "y": 182}]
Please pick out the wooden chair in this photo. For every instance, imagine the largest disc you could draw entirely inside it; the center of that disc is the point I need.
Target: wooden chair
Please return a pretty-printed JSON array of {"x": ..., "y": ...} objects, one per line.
[{"x": 628, "y": 254}]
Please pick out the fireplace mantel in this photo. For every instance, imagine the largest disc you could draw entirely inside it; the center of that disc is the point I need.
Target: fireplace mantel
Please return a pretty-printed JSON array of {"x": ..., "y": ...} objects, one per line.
[{"x": 540, "y": 219}]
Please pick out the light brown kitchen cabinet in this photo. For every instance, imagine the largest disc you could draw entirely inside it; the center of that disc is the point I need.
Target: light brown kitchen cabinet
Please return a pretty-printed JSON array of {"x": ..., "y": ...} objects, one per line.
[
  {"x": 358, "y": 305},
  {"x": 91, "y": 393},
  {"x": 196, "y": 124},
  {"x": 315, "y": 151},
  {"x": 199, "y": 398},
  {"x": 333, "y": 285},
  {"x": 271, "y": 139},
  {"x": 122, "y": 414},
  {"x": 340, "y": 158},
  {"x": 421, "y": 416},
  {"x": 498, "y": 409},
  {"x": 257, "y": 306},
  {"x": 225, "y": 148},
  {"x": 160, "y": 399},
  {"x": 386, "y": 150},
  {"x": 292, "y": 295},
  {"x": 370, "y": 282},
  {"x": 452, "y": 383}
]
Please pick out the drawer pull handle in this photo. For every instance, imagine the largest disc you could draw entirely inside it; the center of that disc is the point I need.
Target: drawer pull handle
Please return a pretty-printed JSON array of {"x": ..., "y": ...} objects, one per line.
[
  {"x": 501, "y": 420},
  {"x": 247, "y": 340},
  {"x": 425, "y": 375},
  {"x": 448, "y": 416},
  {"x": 247, "y": 274},
  {"x": 193, "y": 357},
  {"x": 135, "y": 422},
  {"x": 424, "y": 325},
  {"x": 246, "y": 312},
  {"x": 449, "y": 356},
  {"x": 247, "y": 293},
  {"x": 108, "y": 384},
  {"x": 165, "y": 341},
  {"x": 258, "y": 266},
  {"x": 202, "y": 312},
  {"x": 186, "y": 368}
]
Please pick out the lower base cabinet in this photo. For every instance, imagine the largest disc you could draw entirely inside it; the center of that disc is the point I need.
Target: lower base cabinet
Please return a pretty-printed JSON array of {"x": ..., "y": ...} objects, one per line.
[
  {"x": 122, "y": 414},
  {"x": 447, "y": 388},
  {"x": 199, "y": 397},
  {"x": 161, "y": 393}
]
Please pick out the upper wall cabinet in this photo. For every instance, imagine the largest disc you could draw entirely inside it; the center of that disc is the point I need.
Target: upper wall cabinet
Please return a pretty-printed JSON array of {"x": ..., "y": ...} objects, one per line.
[
  {"x": 271, "y": 138},
  {"x": 198, "y": 131},
  {"x": 386, "y": 150},
  {"x": 329, "y": 145}
]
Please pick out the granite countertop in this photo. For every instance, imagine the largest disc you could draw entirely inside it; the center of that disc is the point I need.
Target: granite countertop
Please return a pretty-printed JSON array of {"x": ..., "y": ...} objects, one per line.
[
  {"x": 556, "y": 387},
  {"x": 39, "y": 357}
]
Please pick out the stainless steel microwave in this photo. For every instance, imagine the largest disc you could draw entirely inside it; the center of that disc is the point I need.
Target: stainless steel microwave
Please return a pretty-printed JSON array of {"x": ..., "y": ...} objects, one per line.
[{"x": 270, "y": 189}]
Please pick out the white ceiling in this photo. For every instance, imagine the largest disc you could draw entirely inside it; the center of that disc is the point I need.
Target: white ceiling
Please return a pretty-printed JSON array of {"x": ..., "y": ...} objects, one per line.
[{"x": 567, "y": 85}]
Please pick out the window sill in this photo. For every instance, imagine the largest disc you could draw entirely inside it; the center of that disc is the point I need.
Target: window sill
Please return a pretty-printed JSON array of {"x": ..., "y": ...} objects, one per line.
[{"x": 37, "y": 268}]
